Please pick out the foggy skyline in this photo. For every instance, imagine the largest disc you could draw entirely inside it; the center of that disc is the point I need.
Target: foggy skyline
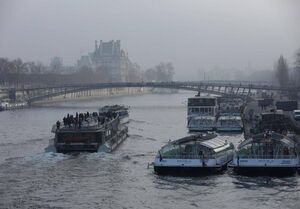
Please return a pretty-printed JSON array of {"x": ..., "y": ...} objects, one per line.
[{"x": 192, "y": 34}]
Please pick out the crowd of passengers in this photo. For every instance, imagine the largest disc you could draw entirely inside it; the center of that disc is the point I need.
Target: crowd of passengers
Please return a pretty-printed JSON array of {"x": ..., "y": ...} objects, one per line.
[{"x": 78, "y": 119}]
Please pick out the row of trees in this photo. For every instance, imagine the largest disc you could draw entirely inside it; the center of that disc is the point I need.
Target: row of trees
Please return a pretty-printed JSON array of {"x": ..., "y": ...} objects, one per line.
[
  {"x": 17, "y": 66},
  {"x": 285, "y": 75},
  {"x": 161, "y": 72},
  {"x": 18, "y": 73}
]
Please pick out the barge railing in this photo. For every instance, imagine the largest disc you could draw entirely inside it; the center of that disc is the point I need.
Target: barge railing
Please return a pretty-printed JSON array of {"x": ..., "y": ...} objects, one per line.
[{"x": 267, "y": 156}]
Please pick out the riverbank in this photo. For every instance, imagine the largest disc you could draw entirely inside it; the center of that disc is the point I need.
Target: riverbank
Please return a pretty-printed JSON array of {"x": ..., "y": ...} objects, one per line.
[{"x": 87, "y": 95}]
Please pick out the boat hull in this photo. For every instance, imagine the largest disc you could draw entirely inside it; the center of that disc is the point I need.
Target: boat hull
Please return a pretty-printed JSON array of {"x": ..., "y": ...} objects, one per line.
[
  {"x": 188, "y": 171},
  {"x": 196, "y": 129},
  {"x": 265, "y": 171},
  {"x": 191, "y": 167},
  {"x": 67, "y": 148},
  {"x": 110, "y": 144},
  {"x": 229, "y": 129}
]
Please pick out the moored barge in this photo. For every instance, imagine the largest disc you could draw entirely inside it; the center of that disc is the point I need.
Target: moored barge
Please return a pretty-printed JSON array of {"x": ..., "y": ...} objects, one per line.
[
  {"x": 229, "y": 123},
  {"x": 201, "y": 113}
]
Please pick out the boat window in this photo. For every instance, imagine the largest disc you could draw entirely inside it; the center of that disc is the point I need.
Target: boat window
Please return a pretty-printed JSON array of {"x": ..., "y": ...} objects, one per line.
[
  {"x": 201, "y": 110},
  {"x": 185, "y": 151},
  {"x": 201, "y": 101},
  {"x": 266, "y": 150}
]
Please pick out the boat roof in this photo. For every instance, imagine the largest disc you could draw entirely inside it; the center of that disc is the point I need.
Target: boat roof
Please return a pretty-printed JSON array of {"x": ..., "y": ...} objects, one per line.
[
  {"x": 271, "y": 136},
  {"x": 114, "y": 108},
  {"x": 206, "y": 117},
  {"x": 91, "y": 125},
  {"x": 214, "y": 143},
  {"x": 203, "y": 97},
  {"x": 195, "y": 138},
  {"x": 208, "y": 140},
  {"x": 277, "y": 112}
]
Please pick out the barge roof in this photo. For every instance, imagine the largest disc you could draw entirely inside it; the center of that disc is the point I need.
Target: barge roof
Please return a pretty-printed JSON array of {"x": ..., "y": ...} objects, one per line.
[{"x": 273, "y": 137}]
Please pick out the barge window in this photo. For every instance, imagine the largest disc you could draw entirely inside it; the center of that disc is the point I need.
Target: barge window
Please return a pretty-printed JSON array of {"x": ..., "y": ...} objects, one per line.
[
  {"x": 78, "y": 137},
  {"x": 267, "y": 150},
  {"x": 186, "y": 151}
]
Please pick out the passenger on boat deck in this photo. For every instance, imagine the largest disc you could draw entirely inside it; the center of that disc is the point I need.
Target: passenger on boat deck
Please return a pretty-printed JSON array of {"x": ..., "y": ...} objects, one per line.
[
  {"x": 79, "y": 123},
  {"x": 58, "y": 124}
]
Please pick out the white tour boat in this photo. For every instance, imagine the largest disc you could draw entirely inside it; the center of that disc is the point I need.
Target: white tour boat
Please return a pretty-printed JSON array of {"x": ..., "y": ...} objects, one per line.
[
  {"x": 267, "y": 153},
  {"x": 202, "y": 111},
  {"x": 202, "y": 123},
  {"x": 194, "y": 155},
  {"x": 230, "y": 123}
]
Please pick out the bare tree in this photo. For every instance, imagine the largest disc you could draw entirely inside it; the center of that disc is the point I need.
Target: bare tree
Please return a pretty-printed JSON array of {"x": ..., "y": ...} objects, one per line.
[
  {"x": 150, "y": 75},
  {"x": 170, "y": 71},
  {"x": 161, "y": 72},
  {"x": 56, "y": 64},
  {"x": 282, "y": 72},
  {"x": 297, "y": 67}
]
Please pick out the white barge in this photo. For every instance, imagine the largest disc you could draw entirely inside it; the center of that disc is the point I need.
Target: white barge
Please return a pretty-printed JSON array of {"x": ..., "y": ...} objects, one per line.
[
  {"x": 201, "y": 113},
  {"x": 194, "y": 155},
  {"x": 267, "y": 153},
  {"x": 229, "y": 123}
]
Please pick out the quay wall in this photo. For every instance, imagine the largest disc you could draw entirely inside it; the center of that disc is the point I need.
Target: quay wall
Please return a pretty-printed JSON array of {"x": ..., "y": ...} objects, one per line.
[{"x": 100, "y": 93}]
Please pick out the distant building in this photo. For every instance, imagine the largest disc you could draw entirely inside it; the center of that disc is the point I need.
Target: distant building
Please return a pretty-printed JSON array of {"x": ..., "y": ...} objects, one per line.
[
  {"x": 109, "y": 59},
  {"x": 84, "y": 61}
]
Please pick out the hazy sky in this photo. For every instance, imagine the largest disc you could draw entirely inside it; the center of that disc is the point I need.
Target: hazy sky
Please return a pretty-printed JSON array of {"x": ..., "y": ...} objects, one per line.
[{"x": 193, "y": 34}]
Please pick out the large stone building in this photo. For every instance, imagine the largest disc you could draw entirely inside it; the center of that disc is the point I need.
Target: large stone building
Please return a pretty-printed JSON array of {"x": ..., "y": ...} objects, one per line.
[{"x": 110, "y": 60}]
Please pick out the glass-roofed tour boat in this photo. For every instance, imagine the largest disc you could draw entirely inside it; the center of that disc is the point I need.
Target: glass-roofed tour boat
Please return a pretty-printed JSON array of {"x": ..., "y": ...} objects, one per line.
[
  {"x": 267, "y": 153},
  {"x": 194, "y": 155}
]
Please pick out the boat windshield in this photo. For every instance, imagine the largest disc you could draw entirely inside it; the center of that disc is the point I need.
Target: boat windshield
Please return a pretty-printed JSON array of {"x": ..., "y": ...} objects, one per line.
[
  {"x": 268, "y": 148},
  {"x": 185, "y": 151}
]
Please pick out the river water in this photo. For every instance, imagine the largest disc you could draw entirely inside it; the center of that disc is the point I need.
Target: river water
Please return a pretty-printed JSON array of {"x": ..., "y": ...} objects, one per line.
[{"x": 32, "y": 178}]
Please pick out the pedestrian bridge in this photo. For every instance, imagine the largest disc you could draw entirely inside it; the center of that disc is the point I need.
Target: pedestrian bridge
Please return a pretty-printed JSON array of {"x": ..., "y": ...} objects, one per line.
[{"x": 232, "y": 89}]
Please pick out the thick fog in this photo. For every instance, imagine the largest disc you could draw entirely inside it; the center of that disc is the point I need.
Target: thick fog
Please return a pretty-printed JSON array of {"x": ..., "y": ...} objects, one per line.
[{"x": 195, "y": 35}]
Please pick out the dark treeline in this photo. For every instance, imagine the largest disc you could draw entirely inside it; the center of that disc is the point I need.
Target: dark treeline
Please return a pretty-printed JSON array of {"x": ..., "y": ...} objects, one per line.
[
  {"x": 16, "y": 73},
  {"x": 46, "y": 79}
]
